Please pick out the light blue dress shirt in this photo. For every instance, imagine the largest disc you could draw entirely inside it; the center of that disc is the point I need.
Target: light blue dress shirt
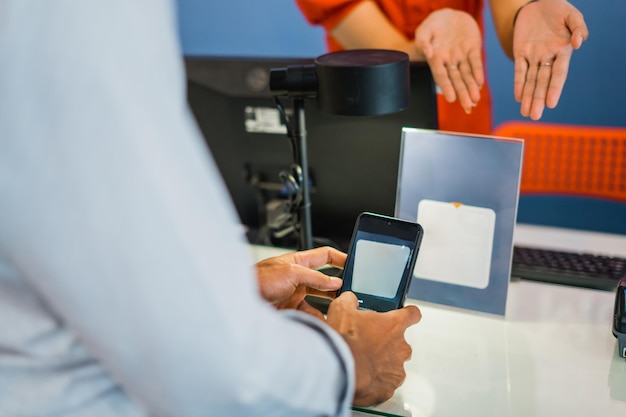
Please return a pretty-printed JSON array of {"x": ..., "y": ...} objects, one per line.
[{"x": 126, "y": 286}]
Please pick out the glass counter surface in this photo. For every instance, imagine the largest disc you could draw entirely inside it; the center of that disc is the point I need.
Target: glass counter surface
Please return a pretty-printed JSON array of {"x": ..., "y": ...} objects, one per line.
[{"x": 553, "y": 354}]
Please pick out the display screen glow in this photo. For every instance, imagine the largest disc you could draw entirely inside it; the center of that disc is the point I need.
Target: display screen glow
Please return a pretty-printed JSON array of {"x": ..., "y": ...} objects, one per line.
[{"x": 378, "y": 267}]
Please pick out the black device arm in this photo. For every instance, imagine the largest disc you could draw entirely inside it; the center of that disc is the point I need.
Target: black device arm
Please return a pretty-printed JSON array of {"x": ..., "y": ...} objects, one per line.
[{"x": 619, "y": 317}]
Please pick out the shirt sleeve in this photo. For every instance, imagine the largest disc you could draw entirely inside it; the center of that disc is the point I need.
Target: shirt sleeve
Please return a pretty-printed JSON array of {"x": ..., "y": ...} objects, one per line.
[
  {"x": 326, "y": 13},
  {"x": 116, "y": 216}
]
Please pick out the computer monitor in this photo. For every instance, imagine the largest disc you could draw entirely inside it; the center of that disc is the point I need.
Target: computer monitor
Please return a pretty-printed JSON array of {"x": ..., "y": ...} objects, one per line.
[{"x": 353, "y": 161}]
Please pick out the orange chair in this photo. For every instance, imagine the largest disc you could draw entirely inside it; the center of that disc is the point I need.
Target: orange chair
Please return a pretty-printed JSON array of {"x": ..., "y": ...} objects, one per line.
[{"x": 573, "y": 160}]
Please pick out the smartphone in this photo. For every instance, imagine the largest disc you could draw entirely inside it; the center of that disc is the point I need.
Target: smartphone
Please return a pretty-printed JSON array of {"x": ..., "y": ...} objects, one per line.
[{"x": 380, "y": 261}]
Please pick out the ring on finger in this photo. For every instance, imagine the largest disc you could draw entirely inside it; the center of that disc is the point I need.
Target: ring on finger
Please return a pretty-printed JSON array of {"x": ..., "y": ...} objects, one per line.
[
  {"x": 452, "y": 67},
  {"x": 546, "y": 64}
]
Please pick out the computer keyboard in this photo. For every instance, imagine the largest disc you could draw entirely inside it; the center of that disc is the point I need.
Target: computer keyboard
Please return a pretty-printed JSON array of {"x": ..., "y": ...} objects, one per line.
[{"x": 577, "y": 269}]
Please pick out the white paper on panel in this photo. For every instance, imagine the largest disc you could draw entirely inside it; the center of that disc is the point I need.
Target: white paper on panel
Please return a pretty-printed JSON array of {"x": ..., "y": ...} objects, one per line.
[{"x": 457, "y": 243}]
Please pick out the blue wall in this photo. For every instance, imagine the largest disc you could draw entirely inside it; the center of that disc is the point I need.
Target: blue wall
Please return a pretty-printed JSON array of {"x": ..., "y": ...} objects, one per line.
[
  {"x": 247, "y": 28},
  {"x": 595, "y": 92}
]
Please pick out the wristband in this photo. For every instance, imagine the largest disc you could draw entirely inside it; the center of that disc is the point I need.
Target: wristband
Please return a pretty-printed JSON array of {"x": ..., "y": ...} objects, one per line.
[{"x": 520, "y": 9}]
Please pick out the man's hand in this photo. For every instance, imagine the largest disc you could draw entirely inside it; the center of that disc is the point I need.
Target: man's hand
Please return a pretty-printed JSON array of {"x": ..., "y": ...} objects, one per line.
[
  {"x": 451, "y": 43},
  {"x": 545, "y": 34},
  {"x": 284, "y": 280},
  {"x": 377, "y": 343}
]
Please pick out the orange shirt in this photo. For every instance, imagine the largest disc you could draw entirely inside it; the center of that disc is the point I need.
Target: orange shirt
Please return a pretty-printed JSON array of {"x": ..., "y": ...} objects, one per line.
[{"x": 406, "y": 15}]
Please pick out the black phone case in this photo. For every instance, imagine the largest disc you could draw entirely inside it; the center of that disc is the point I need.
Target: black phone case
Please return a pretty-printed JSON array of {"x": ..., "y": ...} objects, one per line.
[{"x": 381, "y": 220}]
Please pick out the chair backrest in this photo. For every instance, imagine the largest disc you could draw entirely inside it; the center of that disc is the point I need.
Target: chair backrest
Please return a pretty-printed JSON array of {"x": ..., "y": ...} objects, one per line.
[{"x": 569, "y": 159}]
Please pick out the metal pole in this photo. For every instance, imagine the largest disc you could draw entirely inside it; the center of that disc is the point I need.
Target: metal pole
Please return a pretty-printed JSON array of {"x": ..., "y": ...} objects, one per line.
[{"x": 305, "y": 232}]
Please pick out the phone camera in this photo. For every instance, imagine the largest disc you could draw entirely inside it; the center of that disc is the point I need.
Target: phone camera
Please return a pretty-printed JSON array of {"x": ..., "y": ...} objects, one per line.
[{"x": 388, "y": 223}]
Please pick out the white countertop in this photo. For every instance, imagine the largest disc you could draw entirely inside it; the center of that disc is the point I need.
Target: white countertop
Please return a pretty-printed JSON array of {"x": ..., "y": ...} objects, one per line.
[{"x": 553, "y": 354}]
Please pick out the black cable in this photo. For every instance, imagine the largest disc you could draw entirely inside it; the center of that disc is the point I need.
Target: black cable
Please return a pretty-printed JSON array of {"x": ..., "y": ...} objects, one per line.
[{"x": 285, "y": 120}]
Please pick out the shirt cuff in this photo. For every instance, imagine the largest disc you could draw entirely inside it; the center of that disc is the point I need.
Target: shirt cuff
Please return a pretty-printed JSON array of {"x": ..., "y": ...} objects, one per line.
[{"x": 340, "y": 348}]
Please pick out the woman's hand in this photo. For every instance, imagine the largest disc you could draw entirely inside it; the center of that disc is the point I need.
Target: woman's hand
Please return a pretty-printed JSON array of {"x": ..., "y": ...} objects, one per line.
[
  {"x": 451, "y": 43},
  {"x": 545, "y": 35},
  {"x": 285, "y": 280}
]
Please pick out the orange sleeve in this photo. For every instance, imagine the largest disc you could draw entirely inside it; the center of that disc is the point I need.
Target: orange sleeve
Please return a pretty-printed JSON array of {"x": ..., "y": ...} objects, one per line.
[{"x": 326, "y": 13}]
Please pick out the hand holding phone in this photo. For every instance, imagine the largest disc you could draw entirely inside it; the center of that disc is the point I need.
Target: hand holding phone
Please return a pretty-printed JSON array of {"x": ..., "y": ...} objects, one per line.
[
  {"x": 380, "y": 261},
  {"x": 378, "y": 345}
]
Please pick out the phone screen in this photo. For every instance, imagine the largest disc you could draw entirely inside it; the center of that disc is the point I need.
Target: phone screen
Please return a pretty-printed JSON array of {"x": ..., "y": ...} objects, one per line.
[{"x": 380, "y": 261}]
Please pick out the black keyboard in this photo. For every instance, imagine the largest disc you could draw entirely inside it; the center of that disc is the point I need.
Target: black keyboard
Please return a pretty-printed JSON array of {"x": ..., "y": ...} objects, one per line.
[{"x": 577, "y": 269}]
